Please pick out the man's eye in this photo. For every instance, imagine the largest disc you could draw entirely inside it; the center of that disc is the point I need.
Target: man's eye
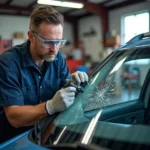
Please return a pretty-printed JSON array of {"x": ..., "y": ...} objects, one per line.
[
  {"x": 47, "y": 42},
  {"x": 56, "y": 42},
  {"x": 51, "y": 42}
]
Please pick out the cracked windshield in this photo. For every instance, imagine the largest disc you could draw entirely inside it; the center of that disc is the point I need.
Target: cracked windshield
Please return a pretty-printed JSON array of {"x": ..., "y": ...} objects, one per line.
[{"x": 117, "y": 81}]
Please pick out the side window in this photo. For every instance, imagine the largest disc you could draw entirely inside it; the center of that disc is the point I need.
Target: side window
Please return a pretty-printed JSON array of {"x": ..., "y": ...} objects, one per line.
[
  {"x": 131, "y": 77},
  {"x": 120, "y": 83},
  {"x": 125, "y": 83}
]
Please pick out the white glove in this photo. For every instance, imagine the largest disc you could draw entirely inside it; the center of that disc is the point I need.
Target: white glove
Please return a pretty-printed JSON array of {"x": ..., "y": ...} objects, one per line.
[
  {"x": 61, "y": 100},
  {"x": 79, "y": 77}
]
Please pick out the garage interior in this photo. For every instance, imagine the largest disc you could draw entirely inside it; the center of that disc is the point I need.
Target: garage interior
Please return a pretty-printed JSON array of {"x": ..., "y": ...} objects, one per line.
[{"x": 92, "y": 32}]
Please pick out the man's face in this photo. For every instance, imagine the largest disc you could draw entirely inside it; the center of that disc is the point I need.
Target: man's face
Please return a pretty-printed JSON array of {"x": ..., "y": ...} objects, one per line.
[{"x": 47, "y": 32}]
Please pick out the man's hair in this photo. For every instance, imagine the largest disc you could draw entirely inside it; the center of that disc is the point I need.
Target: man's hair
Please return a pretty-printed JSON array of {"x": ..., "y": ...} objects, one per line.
[{"x": 44, "y": 14}]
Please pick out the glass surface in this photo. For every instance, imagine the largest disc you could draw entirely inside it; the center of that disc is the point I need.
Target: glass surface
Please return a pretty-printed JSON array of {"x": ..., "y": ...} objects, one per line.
[
  {"x": 118, "y": 79},
  {"x": 50, "y": 43}
]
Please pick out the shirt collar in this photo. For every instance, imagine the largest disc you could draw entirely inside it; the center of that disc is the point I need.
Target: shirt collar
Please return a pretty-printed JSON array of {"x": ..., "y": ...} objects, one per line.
[{"x": 26, "y": 55}]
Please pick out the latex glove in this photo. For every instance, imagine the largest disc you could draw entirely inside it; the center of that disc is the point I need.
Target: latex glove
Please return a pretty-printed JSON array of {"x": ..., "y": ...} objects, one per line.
[
  {"x": 79, "y": 77},
  {"x": 61, "y": 100}
]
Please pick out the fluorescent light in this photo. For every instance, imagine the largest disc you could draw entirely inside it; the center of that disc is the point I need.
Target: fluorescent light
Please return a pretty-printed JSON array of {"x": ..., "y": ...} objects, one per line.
[{"x": 61, "y": 3}]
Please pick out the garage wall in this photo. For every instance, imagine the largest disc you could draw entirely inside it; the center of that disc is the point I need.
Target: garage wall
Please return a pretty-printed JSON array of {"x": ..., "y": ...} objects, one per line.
[
  {"x": 116, "y": 15},
  {"x": 92, "y": 42},
  {"x": 68, "y": 32},
  {"x": 11, "y": 24}
]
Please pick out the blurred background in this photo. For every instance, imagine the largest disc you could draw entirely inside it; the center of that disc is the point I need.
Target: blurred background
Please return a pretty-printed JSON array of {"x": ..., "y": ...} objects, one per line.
[{"x": 93, "y": 30}]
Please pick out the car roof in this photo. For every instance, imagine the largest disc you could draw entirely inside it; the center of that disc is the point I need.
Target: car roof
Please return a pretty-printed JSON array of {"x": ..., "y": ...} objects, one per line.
[{"x": 141, "y": 40}]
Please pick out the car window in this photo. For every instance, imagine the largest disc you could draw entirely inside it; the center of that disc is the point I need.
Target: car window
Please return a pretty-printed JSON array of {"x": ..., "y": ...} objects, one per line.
[{"x": 118, "y": 80}]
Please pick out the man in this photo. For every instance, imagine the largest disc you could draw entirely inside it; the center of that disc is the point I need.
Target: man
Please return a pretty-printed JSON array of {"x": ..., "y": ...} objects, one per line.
[{"x": 33, "y": 74}]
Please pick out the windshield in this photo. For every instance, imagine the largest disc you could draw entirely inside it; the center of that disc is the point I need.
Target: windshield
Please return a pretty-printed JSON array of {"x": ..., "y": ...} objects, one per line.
[
  {"x": 116, "y": 81},
  {"x": 119, "y": 79}
]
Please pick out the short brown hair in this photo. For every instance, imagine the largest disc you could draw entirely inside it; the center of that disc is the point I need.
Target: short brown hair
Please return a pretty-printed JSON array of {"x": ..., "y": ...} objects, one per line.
[{"x": 44, "y": 14}]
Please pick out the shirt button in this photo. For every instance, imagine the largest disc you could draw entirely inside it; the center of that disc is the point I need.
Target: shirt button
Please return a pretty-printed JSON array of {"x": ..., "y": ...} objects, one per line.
[
  {"x": 39, "y": 77},
  {"x": 40, "y": 101},
  {"x": 40, "y": 87}
]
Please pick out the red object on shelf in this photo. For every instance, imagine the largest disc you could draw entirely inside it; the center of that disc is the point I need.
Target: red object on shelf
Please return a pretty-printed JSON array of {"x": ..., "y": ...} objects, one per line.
[{"x": 73, "y": 64}]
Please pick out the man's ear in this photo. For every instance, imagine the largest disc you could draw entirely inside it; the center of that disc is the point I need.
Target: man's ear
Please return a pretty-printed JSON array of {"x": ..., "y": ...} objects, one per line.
[{"x": 30, "y": 36}]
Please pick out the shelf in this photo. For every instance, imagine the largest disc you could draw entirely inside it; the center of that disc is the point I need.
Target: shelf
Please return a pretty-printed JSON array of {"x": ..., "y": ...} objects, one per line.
[{"x": 112, "y": 41}]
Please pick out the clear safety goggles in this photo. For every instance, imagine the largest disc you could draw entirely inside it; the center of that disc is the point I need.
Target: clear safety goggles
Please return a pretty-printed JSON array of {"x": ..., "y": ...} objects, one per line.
[{"x": 50, "y": 43}]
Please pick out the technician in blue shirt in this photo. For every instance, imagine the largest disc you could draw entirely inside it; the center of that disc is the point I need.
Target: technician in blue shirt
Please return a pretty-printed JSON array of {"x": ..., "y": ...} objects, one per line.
[{"x": 32, "y": 74}]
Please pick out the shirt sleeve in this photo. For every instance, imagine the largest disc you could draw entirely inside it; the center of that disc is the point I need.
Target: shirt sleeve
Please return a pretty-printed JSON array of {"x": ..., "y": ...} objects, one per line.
[{"x": 10, "y": 91}]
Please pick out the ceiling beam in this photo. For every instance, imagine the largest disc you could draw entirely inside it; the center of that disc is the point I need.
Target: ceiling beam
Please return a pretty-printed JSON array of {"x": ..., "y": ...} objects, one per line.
[
  {"x": 69, "y": 11},
  {"x": 29, "y": 10},
  {"x": 13, "y": 14},
  {"x": 124, "y": 4},
  {"x": 106, "y": 1},
  {"x": 8, "y": 2},
  {"x": 85, "y": 15},
  {"x": 70, "y": 18},
  {"x": 92, "y": 7},
  {"x": 15, "y": 8},
  {"x": 32, "y": 4}
]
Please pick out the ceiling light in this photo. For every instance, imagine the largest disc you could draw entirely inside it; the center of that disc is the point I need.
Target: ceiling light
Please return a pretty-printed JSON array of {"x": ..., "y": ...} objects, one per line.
[{"x": 61, "y": 3}]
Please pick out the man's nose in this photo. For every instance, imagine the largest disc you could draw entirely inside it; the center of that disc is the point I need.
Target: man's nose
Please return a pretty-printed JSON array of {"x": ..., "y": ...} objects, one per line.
[{"x": 53, "y": 46}]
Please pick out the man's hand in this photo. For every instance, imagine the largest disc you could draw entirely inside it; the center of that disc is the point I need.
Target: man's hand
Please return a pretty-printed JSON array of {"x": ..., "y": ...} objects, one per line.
[
  {"x": 61, "y": 100},
  {"x": 79, "y": 77}
]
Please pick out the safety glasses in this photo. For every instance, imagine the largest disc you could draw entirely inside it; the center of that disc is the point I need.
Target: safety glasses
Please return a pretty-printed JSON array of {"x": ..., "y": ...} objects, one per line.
[{"x": 50, "y": 43}]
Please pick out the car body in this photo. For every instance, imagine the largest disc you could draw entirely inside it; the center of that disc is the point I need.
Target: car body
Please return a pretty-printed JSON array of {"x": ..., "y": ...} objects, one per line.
[
  {"x": 111, "y": 113},
  {"x": 140, "y": 40}
]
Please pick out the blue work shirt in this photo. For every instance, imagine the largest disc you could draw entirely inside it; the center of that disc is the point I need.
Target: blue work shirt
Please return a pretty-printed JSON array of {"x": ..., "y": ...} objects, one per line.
[{"x": 21, "y": 80}]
